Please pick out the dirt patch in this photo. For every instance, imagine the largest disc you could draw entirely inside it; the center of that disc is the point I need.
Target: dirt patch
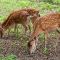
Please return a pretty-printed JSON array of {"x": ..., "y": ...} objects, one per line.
[{"x": 18, "y": 47}]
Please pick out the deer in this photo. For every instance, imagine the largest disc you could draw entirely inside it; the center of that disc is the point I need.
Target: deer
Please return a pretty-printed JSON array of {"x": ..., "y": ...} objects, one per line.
[
  {"x": 43, "y": 24},
  {"x": 24, "y": 22},
  {"x": 17, "y": 17}
]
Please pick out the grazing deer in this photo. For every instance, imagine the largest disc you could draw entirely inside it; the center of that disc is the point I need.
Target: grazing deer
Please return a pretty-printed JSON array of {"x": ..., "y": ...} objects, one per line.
[
  {"x": 17, "y": 17},
  {"x": 21, "y": 19},
  {"x": 43, "y": 24}
]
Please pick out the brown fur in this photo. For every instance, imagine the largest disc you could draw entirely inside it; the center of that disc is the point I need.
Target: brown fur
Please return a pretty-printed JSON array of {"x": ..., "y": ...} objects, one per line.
[
  {"x": 45, "y": 24},
  {"x": 15, "y": 18},
  {"x": 19, "y": 17}
]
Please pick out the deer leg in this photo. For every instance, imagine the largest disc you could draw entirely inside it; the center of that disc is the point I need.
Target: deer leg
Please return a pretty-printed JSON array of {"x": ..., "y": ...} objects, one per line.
[
  {"x": 1, "y": 34},
  {"x": 45, "y": 42},
  {"x": 26, "y": 27},
  {"x": 56, "y": 42},
  {"x": 16, "y": 30},
  {"x": 29, "y": 28},
  {"x": 9, "y": 31}
]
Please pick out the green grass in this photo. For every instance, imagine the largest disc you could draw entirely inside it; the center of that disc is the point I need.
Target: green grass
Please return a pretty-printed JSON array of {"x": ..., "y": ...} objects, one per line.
[
  {"x": 8, "y": 6},
  {"x": 1, "y": 49},
  {"x": 9, "y": 57}
]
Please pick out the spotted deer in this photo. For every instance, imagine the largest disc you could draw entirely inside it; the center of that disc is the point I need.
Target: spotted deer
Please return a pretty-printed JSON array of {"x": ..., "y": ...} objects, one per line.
[
  {"x": 43, "y": 24},
  {"x": 22, "y": 20},
  {"x": 17, "y": 17}
]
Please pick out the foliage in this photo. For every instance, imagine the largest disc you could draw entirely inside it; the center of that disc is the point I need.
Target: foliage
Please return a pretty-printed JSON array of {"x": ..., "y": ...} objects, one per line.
[
  {"x": 42, "y": 37},
  {"x": 56, "y": 1},
  {"x": 45, "y": 50},
  {"x": 44, "y": 5},
  {"x": 50, "y": 1},
  {"x": 9, "y": 57}
]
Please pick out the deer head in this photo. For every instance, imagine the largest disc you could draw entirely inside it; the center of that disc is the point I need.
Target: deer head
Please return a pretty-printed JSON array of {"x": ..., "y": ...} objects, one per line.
[
  {"x": 32, "y": 11},
  {"x": 32, "y": 44}
]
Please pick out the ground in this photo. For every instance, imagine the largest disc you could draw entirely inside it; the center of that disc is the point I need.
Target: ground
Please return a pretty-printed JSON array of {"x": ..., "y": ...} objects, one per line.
[{"x": 18, "y": 47}]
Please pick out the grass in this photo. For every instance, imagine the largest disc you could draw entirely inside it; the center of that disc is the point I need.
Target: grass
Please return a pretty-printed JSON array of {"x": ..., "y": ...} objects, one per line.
[
  {"x": 1, "y": 49},
  {"x": 9, "y": 57}
]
